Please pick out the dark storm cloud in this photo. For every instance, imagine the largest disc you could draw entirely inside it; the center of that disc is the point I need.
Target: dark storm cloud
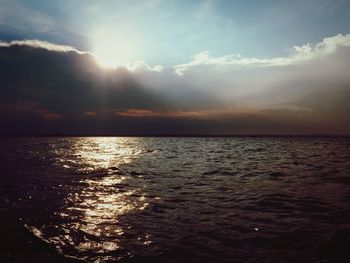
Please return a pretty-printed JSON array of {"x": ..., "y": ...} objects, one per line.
[
  {"x": 54, "y": 89},
  {"x": 67, "y": 82},
  {"x": 43, "y": 86},
  {"x": 47, "y": 88}
]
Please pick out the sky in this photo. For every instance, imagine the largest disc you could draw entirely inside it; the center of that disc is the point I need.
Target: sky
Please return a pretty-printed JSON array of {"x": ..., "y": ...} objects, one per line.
[{"x": 134, "y": 67}]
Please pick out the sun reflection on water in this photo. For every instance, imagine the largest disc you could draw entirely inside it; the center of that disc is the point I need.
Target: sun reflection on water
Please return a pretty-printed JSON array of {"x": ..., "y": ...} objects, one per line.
[
  {"x": 91, "y": 212},
  {"x": 104, "y": 152}
]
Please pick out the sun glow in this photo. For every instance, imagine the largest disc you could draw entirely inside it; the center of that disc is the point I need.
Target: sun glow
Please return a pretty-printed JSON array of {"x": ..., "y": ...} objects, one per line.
[{"x": 113, "y": 50}]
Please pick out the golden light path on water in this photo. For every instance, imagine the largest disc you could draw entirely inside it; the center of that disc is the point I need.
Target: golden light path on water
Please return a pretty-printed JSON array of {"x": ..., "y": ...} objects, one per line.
[
  {"x": 100, "y": 205},
  {"x": 90, "y": 215}
]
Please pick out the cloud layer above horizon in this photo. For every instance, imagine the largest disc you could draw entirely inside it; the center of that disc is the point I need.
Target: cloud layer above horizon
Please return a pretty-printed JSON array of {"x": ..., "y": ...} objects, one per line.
[{"x": 48, "y": 88}]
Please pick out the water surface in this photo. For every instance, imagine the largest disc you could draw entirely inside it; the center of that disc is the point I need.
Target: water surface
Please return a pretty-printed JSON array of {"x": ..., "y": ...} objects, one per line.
[{"x": 244, "y": 199}]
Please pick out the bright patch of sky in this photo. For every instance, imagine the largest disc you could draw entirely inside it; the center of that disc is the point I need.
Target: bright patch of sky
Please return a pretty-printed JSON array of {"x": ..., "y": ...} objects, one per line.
[{"x": 170, "y": 32}]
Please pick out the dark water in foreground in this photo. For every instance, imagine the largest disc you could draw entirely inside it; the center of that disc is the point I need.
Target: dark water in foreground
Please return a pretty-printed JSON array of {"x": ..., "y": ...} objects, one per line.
[{"x": 243, "y": 199}]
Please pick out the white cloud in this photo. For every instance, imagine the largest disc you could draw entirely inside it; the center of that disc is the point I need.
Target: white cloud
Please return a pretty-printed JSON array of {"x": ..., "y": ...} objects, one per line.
[
  {"x": 140, "y": 65},
  {"x": 41, "y": 44},
  {"x": 299, "y": 54},
  {"x": 134, "y": 66}
]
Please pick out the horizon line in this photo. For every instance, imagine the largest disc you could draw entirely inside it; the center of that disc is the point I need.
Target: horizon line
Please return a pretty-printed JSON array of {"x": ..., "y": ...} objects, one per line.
[{"x": 176, "y": 135}]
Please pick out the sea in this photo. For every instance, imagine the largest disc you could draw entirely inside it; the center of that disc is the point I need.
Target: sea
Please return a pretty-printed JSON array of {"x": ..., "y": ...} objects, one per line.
[{"x": 175, "y": 199}]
